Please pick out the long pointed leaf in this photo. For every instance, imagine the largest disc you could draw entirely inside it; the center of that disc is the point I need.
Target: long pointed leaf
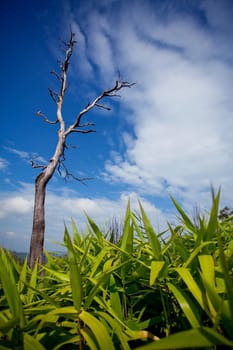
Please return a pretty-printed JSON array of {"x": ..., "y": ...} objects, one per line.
[
  {"x": 75, "y": 274},
  {"x": 156, "y": 268},
  {"x": 153, "y": 239},
  {"x": 99, "y": 331},
  {"x": 194, "y": 338},
  {"x": 186, "y": 305}
]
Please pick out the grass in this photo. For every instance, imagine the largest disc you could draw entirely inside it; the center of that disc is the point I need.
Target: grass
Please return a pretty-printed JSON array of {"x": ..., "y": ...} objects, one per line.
[{"x": 140, "y": 292}]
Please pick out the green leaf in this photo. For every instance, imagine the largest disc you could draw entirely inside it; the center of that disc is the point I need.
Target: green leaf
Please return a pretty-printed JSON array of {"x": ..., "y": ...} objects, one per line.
[
  {"x": 52, "y": 316},
  {"x": 188, "y": 223},
  {"x": 207, "y": 268},
  {"x": 98, "y": 260},
  {"x": 31, "y": 343},
  {"x": 23, "y": 276},
  {"x": 153, "y": 239},
  {"x": 99, "y": 331},
  {"x": 95, "y": 228},
  {"x": 221, "y": 307},
  {"x": 213, "y": 219},
  {"x": 77, "y": 237},
  {"x": 75, "y": 274},
  {"x": 127, "y": 235},
  {"x": 191, "y": 285},
  {"x": 88, "y": 336},
  {"x": 186, "y": 305},
  {"x": 227, "y": 277},
  {"x": 117, "y": 329},
  {"x": 6, "y": 326},
  {"x": 32, "y": 283},
  {"x": 64, "y": 277},
  {"x": 9, "y": 285},
  {"x": 156, "y": 268},
  {"x": 195, "y": 338},
  {"x": 115, "y": 298},
  {"x": 73, "y": 340},
  {"x": 195, "y": 252},
  {"x": 95, "y": 289}
]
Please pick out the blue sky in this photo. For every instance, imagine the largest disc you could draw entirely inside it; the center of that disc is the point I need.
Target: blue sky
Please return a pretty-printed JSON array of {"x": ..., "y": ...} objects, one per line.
[{"x": 171, "y": 134}]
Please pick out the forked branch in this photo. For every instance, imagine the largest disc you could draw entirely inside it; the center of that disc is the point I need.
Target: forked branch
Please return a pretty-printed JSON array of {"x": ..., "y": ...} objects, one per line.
[
  {"x": 66, "y": 174},
  {"x": 95, "y": 103},
  {"x": 57, "y": 161}
]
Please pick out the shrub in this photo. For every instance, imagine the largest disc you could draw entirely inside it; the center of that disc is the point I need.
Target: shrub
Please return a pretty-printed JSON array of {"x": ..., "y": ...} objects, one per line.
[{"x": 141, "y": 291}]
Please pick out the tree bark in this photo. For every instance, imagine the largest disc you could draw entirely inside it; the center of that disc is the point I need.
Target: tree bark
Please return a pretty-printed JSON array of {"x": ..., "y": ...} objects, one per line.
[{"x": 38, "y": 228}]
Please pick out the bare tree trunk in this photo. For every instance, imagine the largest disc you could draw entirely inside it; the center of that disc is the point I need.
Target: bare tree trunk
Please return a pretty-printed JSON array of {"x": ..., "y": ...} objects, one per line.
[
  {"x": 38, "y": 228},
  {"x": 57, "y": 161}
]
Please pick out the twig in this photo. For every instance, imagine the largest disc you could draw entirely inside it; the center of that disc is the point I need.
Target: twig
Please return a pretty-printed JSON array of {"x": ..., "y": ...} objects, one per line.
[
  {"x": 35, "y": 165},
  {"x": 102, "y": 106},
  {"x": 56, "y": 75},
  {"x": 53, "y": 94},
  {"x": 40, "y": 114}
]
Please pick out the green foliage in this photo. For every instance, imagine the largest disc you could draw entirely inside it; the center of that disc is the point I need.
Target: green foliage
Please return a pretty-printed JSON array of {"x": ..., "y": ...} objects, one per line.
[{"x": 141, "y": 291}]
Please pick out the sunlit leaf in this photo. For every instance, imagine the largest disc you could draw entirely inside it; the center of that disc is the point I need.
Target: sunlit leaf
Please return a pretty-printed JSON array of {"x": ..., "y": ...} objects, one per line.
[
  {"x": 194, "y": 338},
  {"x": 31, "y": 343},
  {"x": 153, "y": 239},
  {"x": 186, "y": 305},
  {"x": 99, "y": 331},
  {"x": 156, "y": 268},
  {"x": 75, "y": 275},
  {"x": 191, "y": 284}
]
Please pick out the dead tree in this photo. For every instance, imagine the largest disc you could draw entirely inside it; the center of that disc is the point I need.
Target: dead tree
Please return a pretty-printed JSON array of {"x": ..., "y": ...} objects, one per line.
[{"x": 57, "y": 160}]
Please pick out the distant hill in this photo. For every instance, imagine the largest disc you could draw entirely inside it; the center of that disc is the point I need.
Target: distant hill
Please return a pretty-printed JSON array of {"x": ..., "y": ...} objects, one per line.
[{"x": 21, "y": 256}]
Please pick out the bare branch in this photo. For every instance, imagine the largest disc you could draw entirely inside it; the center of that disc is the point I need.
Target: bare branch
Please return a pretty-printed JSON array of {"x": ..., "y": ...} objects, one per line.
[
  {"x": 82, "y": 179},
  {"x": 53, "y": 72},
  {"x": 86, "y": 124},
  {"x": 35, "y": 165},
  {"x": 40, "y": 114},
  {"x": 71, "y": 146},
  {"x": 118, "y": 86},
  {"x": 64, "y": 66},
  {"x": 83, "y": 131},
  {"x": 67, "y": 175},
  {"x": 67, "y": 87},
  {"x": 56, "y": 162},
  {"x": 103, "y": 106},
  {"x": 53, "y": 95},
  {"x": 69, "y": 51},
  {"x": 64, "y": 43},
  {"x": 95, "y": 103}
]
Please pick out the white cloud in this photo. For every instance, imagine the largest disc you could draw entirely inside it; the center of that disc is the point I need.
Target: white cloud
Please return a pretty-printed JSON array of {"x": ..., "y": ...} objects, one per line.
[
  {"x": 181, "y": 107},
  {"x": 178, "y": 138},
  {"x": 3, "y": 163},
  {"x": 27, "y": 156},
  {"x": 15, "y": 205},
  {"x": 100, "y": 45},
  {"x": 11, "y": 234},
  {"x": 81, "y": 55},
  {"x": 19, "y": 153},
  {"x": 60, "y": 208}
]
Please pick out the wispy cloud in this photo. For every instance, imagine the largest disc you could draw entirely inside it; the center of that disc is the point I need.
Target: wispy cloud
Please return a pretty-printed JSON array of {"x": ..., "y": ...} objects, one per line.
[
  {"x": 175, "y": 125},
  {"x": 3, "y": 163},
  {"x": 180, "y": 120},
  {"x": 22, "y": 154},
  {"x": 26, "y": 156}
]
